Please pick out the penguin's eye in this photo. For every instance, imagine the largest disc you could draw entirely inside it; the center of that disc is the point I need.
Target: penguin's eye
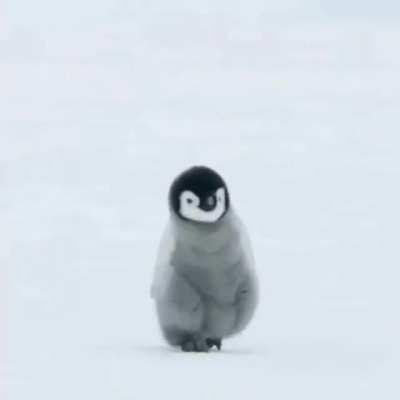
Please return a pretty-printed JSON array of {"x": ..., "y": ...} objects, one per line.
[{"x": 189, "y": 199}]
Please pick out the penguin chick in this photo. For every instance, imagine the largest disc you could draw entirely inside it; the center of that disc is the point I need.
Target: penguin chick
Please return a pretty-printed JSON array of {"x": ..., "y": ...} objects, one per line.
[{"x": 204, "y": 287}]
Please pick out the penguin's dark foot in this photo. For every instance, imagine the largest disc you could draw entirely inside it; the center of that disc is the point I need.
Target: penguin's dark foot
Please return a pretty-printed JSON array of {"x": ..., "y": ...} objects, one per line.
[
  {"x": 214, "y": 342},
  {"x": 195, "y": 344}
]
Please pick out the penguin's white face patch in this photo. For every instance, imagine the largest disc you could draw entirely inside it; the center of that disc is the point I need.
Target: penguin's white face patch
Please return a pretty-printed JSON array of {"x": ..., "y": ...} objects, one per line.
[{"x": 189, "y": 206}]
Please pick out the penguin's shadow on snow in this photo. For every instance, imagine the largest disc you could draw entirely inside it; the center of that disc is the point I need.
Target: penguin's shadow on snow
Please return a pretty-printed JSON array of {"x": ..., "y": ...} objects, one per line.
[
  {"x": 160, "y": 350},
  {"x": 227, "y": 351}
]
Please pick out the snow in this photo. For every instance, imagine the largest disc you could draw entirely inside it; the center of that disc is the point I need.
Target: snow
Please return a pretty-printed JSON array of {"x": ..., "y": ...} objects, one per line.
[{"x": 100, "y": 108}]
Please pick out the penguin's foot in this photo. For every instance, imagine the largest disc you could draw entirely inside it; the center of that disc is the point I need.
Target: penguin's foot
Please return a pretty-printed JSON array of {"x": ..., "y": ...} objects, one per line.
[
  {"x": 214, "y": 342},
  {"x": 195, "y": 344}
]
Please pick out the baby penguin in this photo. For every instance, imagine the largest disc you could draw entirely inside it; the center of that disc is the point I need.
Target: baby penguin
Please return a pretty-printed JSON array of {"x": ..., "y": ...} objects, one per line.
[{"x": 204, "y": 286}]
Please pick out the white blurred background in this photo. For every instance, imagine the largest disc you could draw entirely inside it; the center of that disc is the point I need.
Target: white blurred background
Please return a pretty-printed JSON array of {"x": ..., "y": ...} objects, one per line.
[{"x": 296, "y": 103}]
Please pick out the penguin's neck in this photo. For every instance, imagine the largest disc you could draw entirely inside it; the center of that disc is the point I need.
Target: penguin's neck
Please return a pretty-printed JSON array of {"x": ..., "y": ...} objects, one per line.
[{"x": 208, "y": 238}]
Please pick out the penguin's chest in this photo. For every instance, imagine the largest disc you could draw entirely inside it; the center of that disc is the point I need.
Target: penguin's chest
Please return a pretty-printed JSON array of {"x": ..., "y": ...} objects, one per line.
[{"x": 216, "y": 276}]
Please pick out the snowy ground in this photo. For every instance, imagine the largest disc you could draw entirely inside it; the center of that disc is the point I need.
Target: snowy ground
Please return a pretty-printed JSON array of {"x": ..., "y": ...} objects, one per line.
[{"x": 301, "y": 117}]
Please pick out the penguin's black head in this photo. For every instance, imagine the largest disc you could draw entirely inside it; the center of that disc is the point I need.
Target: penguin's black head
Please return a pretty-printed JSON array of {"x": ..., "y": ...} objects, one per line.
[{"x": 199, "y": 194}]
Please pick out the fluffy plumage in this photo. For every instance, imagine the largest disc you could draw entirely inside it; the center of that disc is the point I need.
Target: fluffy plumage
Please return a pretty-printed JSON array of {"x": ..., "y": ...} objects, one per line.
[{"x": 204, "y": 287}]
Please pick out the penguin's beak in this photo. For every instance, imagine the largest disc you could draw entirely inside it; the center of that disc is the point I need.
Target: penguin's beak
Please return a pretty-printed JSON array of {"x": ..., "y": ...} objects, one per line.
[{"x": 209, "y": 203}]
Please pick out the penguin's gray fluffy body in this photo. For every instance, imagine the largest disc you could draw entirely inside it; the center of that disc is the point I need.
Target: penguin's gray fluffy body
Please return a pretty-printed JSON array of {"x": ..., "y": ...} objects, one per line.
[{"x": 205, "y": 287}]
